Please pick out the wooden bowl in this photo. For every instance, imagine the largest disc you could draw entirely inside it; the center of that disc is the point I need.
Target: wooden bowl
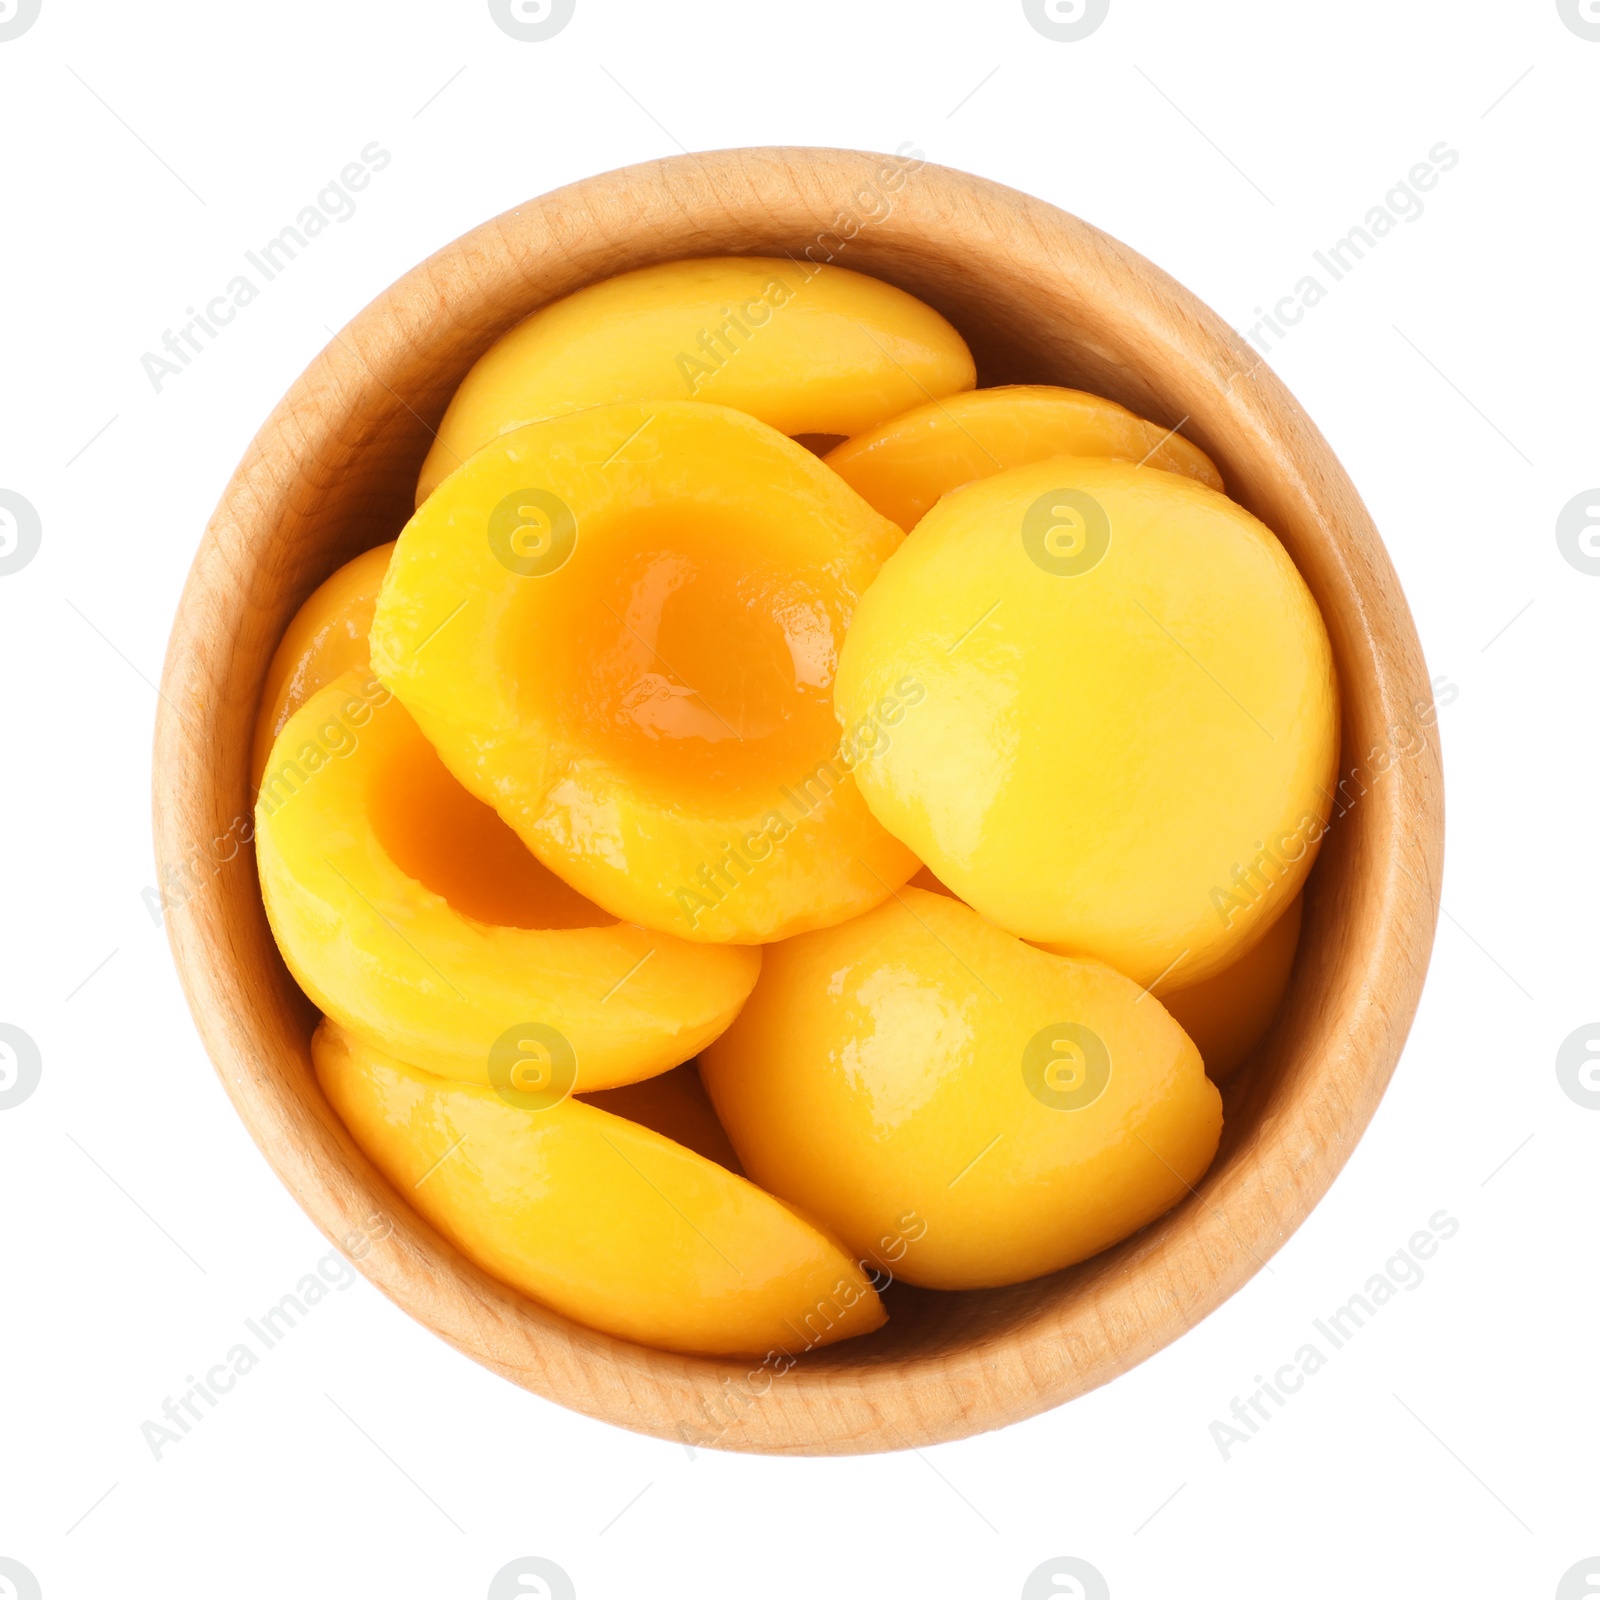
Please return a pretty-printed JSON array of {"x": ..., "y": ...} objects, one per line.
[{"x": 1042, "y": 298}]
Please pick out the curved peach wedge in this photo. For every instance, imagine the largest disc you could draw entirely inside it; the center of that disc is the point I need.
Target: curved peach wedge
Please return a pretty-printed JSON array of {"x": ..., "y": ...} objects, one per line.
[
  {"x": 905, "y": 465},
  {"x": 620, "y": 629},
  {"x": 807, "y": 348},
  {"x": 327, "y": 637},
  {"x": 1131, "y": 719},
  {"x": 1228, "y": 1015},
  {"x": 603, "y": 1220},
  {"x": 409, "y": 912},
  {"x": 956, "y": 1105}
]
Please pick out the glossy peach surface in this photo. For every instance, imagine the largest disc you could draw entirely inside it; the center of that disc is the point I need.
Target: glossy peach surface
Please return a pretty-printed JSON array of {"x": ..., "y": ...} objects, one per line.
[
  {"x": 905, "y": 465},
  {"x": 1131, "y": 720},
  {"x": 677, "y": 1106},
  {"x": 620, "y": 628},
  {"x": 599, "y": 1217},
  {"x": 1229, "y": 1014},
  {"x": 807, "y": 347},
  {"x": 327, "y": 637},
  {"x": 409, "y": 912},
  {"x": 953, "y": 1103}
]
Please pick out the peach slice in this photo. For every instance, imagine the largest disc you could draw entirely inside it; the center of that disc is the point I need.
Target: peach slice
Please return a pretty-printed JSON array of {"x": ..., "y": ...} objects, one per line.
[
  {"x": 1131, "y": 718},
  {"x": 677, "y": 1106},
  {"x": 956, "y": 1105},
  {"x": 601, "y": 1219},
  {"x": 620, "y": 629},
  {"x": 327, "y": 637},
  {"x": 408, "y": 911},
  {"x": 1228, "y": 1015},
  {"x": 908, "y": 463},
  {"x": 809, "y": 348}
]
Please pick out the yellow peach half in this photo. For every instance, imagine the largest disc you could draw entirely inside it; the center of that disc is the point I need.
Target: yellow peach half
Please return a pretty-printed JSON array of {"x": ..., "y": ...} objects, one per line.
[
  {"x": 601, "y": 1219},
  {"x": 327, "y": 637},
  {"x": 1130, "y": 722},
  {"x": 408, "y": 911},
  {"x": 620, "y": 629},
  {"x": 807, "y": 347},
  {"x": 905, "y": 465},
  {"x": 1229, "y": 1014},
  {"x": 957, "y": 1106}
]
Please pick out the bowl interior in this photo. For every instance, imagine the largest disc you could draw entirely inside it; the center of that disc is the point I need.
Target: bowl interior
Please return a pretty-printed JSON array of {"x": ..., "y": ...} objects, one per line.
[{"x": 1040, "y": 297}]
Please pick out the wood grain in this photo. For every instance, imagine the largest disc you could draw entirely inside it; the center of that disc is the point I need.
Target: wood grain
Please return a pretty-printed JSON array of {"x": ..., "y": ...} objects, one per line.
[{"x": 1041, "y": 297}]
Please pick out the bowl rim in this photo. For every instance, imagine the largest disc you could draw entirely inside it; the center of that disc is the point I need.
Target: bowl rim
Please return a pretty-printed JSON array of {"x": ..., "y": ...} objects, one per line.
[{"x": 1298, "y": 1111}]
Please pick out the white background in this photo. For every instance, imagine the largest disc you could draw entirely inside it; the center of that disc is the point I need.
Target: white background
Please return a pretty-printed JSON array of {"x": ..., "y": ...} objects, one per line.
[{"x": 1448, "y": 1448}]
